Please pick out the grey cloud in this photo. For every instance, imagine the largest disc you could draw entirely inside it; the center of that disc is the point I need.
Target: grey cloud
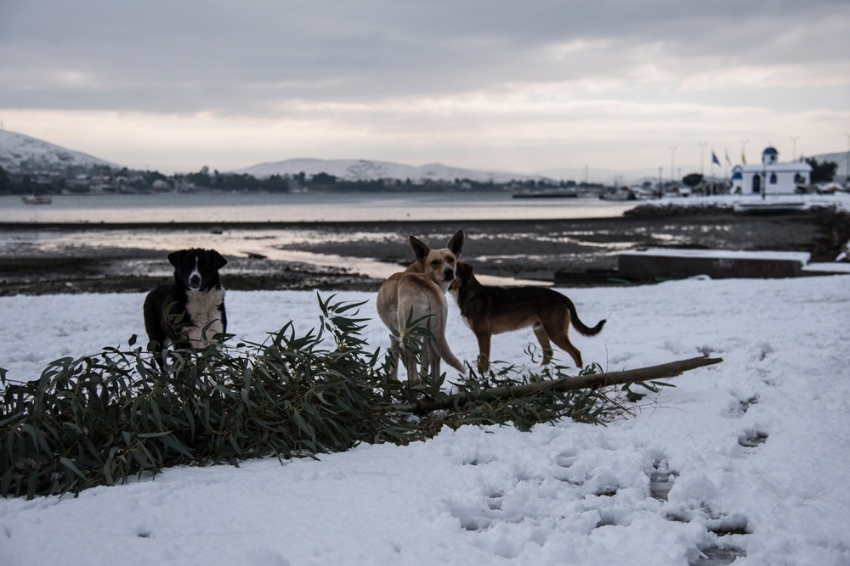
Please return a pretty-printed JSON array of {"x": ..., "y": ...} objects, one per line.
[{"x": 249, "y": 56}]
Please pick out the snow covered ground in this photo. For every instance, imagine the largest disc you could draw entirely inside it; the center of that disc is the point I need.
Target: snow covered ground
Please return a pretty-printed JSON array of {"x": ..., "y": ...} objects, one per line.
[
  {"x": 756, "y": 447},
  {"x": 840, "y": 200}
]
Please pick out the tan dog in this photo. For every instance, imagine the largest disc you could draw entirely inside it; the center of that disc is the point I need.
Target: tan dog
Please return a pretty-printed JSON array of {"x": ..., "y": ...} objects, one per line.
[
  {"x": 494, "y": 310},
  {"x": 420, "y": 291}
]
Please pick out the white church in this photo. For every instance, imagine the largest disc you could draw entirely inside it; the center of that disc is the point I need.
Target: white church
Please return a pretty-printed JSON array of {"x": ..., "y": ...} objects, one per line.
[{"x": 770, "y": 177}]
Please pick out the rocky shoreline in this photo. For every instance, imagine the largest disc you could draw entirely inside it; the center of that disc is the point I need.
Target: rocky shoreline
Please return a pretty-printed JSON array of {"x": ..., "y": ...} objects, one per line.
[{"x": 72, "y": 258}]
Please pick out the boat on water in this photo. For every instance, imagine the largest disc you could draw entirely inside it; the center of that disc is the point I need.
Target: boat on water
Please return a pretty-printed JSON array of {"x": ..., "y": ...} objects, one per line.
[
  {"x": 37, "y": 199},
  {"x": 547, "y": 193},
  {"x": 621, "y": 194}
]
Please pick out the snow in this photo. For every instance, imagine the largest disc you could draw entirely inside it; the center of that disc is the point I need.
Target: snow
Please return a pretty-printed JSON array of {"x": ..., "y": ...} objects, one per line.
[
  {"x": 840, "y": 200},
  {"x": 757, "y": 444},
  {"x": 17, "y": 148},
  {"x": 368, "y": 170},
  {"x": 802, "y": 257},
  {"x": 828, "y": 267}
]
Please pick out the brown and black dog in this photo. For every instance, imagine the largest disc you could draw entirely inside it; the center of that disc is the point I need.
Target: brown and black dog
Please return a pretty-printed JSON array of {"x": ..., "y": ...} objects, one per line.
[
  {"x": 420, "y": 292},
  {"x": 494, "y": 310}
]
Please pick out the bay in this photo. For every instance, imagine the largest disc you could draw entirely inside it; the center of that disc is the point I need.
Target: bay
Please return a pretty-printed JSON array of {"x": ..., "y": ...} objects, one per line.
[{"x": 303, "y": 207}]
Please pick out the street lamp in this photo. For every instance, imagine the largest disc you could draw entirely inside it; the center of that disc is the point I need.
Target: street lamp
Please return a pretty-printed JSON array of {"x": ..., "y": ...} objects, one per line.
[
  {"x": 763, "y": 178},
  {"x": 794, "y": 139},
  {"x": 672, "y": 162},
  {"x": 847, "y": 163},
  {"x": 701, "y": 154}
]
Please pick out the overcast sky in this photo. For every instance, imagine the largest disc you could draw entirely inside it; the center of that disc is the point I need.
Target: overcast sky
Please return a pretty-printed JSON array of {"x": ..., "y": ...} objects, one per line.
[{"x": 522, "y": 86}]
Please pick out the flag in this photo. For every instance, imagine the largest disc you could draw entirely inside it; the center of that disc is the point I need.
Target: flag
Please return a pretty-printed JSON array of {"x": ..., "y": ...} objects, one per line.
[
  {"x": 714, "y": 158},
  {"x": 728, "y": 161},
  {"x": 743, "y": 158}
]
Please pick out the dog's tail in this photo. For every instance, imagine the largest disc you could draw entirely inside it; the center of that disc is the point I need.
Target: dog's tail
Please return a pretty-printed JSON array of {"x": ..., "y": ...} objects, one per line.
[
  {"x": 445, "y": 353},
  {"x": 579, "y": 325}
]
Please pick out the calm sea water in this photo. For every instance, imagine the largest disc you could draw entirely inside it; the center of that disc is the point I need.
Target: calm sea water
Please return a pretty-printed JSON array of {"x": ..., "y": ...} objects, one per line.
[{"x": 305, "y": 207}]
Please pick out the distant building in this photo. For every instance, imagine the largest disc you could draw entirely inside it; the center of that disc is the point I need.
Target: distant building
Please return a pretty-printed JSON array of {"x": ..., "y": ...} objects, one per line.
[
  {"x": 770, "y": 175},
  {"x": 161, "y": 186}
]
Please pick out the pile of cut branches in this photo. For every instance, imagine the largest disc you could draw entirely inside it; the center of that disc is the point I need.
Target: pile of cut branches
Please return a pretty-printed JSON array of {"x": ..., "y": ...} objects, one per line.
[{"x": 102, "y": 419}]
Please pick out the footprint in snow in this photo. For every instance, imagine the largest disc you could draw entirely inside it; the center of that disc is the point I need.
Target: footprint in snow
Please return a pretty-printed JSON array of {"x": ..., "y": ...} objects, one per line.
[
  {"x": 476, "y": 459},
  {"x": 740, "y": 406},
  {"x": 752, "y": 438},
  {"x": 708, "y": 350},
  {"x": 762, "y": 350},
  {"x": 660, "y": 484},
  {"x": 724, "y": 552},
  {"x": 661, "y": 480}
]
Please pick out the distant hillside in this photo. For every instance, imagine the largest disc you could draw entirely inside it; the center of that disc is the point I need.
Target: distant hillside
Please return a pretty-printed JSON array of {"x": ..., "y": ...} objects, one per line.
[
  {"x": 366, "y": 170},
  {"x": 18, "y": 150}
]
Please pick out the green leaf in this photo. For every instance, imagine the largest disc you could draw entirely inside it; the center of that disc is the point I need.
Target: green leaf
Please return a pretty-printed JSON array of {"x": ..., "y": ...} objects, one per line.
[{"x": 71, "y": 466}]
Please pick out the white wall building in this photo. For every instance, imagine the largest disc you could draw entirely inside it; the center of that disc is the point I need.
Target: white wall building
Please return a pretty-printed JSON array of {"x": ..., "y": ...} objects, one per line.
[{"x": 771, "y": 176}]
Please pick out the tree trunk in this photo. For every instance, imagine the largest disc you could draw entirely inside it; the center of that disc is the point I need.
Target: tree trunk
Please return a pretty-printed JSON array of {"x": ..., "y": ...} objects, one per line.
[{"x": 671, "y": 369}]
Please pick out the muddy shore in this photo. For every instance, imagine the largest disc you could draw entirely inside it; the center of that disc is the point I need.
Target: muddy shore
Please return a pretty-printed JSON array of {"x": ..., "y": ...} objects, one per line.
[{"x": 82, "y": 258}]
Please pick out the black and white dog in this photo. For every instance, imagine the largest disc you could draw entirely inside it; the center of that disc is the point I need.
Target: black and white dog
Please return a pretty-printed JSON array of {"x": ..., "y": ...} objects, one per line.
[{"x": 197, "y": 292}]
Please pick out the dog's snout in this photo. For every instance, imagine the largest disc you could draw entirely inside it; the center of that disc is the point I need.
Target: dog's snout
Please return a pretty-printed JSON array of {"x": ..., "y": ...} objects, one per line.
[
  {"x": 195, "y": 280},
  {"x": 448, "y": 274}
]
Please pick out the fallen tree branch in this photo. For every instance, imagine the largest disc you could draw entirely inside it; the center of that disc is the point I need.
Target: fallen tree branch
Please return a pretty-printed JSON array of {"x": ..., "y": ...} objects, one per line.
[{"x": 671, "y": 369}]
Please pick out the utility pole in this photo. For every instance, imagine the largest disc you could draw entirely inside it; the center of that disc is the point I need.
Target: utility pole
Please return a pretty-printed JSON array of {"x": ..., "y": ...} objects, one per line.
[
  {"x": 794, "y": 139},
  {"x": 701, "y": 154},
  {"x": 847, "y": 169},
  {"x": 672, "y": 162},
  {"x": 660, "y": 190}
]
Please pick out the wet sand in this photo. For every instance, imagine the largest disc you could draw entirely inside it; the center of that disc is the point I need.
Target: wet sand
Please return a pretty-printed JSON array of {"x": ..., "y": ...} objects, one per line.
[{"x": 75, "y": 258}]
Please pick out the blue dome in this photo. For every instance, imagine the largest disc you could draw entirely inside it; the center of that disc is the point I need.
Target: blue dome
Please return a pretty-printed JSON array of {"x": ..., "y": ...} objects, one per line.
[
  {"x": 737, "y": 175},
  {"x": 770, "y": 151}
]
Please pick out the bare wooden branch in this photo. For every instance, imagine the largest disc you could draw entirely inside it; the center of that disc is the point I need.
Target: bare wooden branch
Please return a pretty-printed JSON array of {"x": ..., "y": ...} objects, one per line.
[{"x": 662, "y": 371}]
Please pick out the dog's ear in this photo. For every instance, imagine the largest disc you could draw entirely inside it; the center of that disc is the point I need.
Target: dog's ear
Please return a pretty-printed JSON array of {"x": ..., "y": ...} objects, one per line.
[
  {"x": 464, "y": 271},
  {"x": 174, "y": 257},
  {"x": 420, "y": 248},
  {"x": 456, "y": 243},
  {"x": 218, "y": 259}
]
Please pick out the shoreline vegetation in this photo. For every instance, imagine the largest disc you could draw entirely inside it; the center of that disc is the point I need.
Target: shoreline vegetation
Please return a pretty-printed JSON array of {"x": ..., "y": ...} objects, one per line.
[{"x": 578, "y": 249}]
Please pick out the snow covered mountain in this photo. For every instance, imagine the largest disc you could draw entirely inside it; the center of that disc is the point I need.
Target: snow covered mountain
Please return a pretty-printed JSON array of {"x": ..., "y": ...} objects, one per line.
[
  {"x": 367, "y": 170},
  {"x": 18, "y": 151}
]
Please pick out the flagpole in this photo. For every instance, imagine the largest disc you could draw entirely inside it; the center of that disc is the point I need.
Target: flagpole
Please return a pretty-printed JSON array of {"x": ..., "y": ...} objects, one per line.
[{"x": 711, "y": 185}]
